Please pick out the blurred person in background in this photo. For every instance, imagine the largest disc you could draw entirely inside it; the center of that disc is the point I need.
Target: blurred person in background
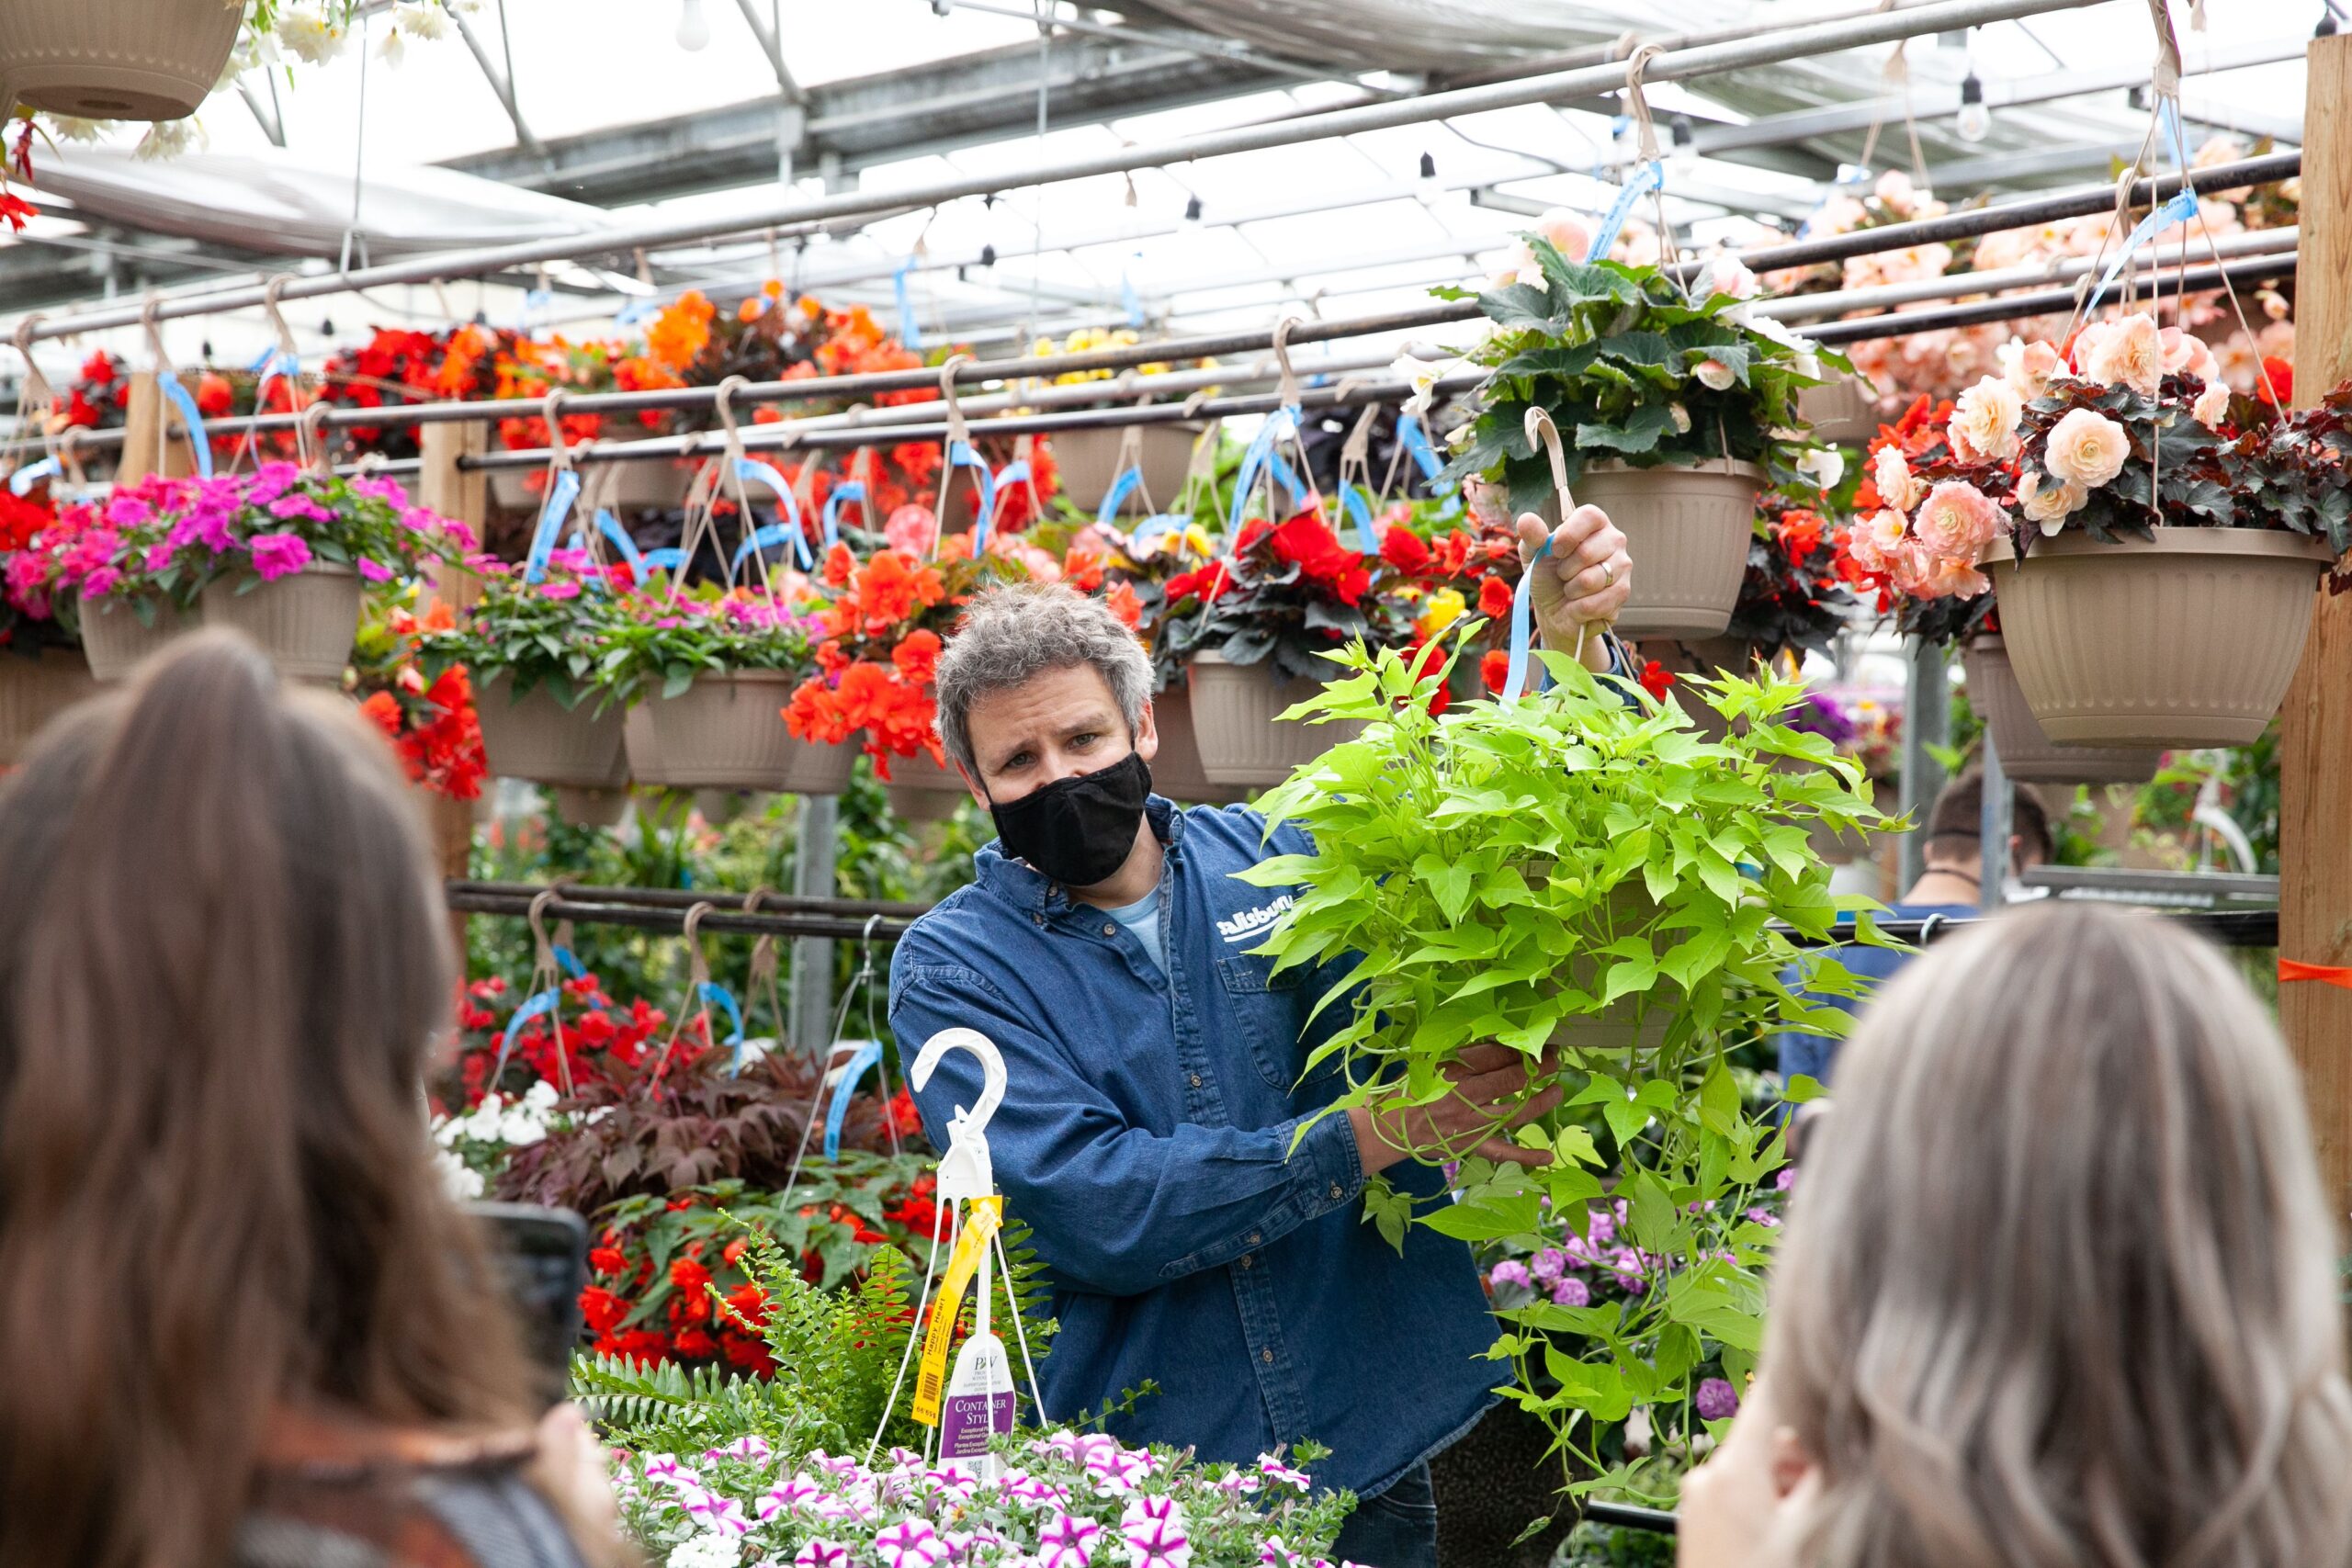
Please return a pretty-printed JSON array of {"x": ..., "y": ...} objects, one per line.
[
  {"x": 242, "y": 1325},
  {"x": 1949, "y": 885},
  {"x": 2059, "y": 1283}
]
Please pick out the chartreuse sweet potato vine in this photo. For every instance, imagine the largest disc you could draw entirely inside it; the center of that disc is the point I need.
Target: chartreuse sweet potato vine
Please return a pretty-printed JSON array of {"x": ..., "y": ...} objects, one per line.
[{"x": 1585, "y": 878}]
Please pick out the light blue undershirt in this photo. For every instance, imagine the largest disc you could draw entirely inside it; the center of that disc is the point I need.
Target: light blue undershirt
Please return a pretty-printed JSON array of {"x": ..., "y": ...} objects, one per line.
[{"x": 1142, "y": 920}]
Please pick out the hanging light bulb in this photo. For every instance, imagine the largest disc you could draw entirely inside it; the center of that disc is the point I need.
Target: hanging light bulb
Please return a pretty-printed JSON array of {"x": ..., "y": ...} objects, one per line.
[
  {"x": 1974, "y": 119},
  {"x": 1426, "y": 186},
  {"x": 1683, "y": 161},
  {"x": 694, "y": 27},
  {"x": 1192, "y": 215},
  {"x": 2326, "y": 28}
]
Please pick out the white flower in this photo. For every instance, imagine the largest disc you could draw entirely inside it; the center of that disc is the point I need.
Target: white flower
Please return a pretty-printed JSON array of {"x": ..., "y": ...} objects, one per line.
[
  {"x": 169, "y": 138},
  {"x": 394, "y": 48},
  {"x": 1714, "y": 374},
  {"x": 1825, "y": 466},
  {"x": 463, "y": 1181},
  {"x": 2088, "y": 448},
  {"x": 1424, "y": 374},
  {"x": 66, "y": 127},
  {"x": 540, "y": 1097},
  {"x": 707, "y": 1552},
  {"x": 1681, "y": 417},
  {"x": 422, "y": 21},
  {"x": 520, "y": 1128},
  {"x": 305, "y": 32},
  {"x": 1723, "y": 273}
]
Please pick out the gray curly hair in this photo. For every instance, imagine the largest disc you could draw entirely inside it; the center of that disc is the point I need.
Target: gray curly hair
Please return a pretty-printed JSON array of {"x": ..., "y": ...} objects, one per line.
[{"x": 1013, "y": 633}]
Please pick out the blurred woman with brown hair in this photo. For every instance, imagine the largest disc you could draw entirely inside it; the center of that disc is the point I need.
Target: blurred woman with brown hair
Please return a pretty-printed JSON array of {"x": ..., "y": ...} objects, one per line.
[
  {"x": 242, "y": 1326},
  {"x": 2060, "y": 1286}
]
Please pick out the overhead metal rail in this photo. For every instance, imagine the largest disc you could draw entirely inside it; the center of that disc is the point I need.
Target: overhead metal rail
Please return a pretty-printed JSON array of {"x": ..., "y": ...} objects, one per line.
[
  {"x": 796, "y": 214},
  {"x": 1968, "y": 224}
]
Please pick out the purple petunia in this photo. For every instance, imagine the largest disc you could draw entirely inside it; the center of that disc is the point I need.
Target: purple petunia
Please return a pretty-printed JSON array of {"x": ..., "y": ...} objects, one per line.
[
  {"x": 1572, "y": 1292},
  {"x": 1510, "y": 1271},
  {"x": 1717, "y": 1400}
]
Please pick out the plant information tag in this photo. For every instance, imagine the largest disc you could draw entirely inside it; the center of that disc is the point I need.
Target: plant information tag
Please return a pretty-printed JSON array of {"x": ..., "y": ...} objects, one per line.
[
  {"x": 981, "y": 1223},
  {"x": 979, "y": 1400}
]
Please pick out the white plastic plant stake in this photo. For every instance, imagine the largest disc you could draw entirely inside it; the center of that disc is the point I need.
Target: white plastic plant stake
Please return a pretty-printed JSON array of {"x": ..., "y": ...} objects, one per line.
[{"x": 975, "y": 1405}]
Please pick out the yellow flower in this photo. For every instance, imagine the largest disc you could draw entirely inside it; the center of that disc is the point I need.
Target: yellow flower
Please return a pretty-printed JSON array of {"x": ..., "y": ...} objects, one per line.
[{"x": 1445, "y": 608}]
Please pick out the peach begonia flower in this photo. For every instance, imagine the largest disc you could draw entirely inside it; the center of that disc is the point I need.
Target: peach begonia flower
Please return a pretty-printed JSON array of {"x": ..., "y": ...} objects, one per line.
[
  {"x": 1958, "y": 520},
  {"x": 2213, "y": 404},
  {"x": 1714, "y": 374},
  {"x": 2088, "y": 448},
  {"x": 1891, "y": 473},
  {"x": 2049, "y": 505},
  {"x": 2028, "y": 366},
  {"x": 1569, "y": 231},
  {"x": 1947, "y": 579},
  {"x": 2129, "y": 353},
  {"x": 1723, "y": 273},
  {"x": 1987, "y": 417},
  {"x": 2185, "y": 353}
]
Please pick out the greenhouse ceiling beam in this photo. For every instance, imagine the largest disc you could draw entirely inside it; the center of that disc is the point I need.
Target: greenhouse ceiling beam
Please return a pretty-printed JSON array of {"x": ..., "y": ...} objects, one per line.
[
  {"x": 889, "y": 118},
  {"x": 1962, "y": 224},
  {"x": 1206, "y": 45},
  {"x": 773, "y": 47},
  {"x": 794, "y": 213},
  {"x": 1943, "y": 103},
  {"x": 502, "y": 84}
]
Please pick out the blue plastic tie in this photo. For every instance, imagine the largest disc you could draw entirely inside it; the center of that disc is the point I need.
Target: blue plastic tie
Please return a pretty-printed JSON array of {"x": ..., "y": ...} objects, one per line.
[
  {"x": 1522, "y": 618},
  {"x": 910, "y": 330},
  {"x": 537, "y": 1007},
  {"x": 562, "y": 491},
  {"x": 609, "y": 527},
  {"x": 753, "y": 470},
  {"x": 843, "y": 494},
  {"x": 24, "y": 479},
  {"x": 198, "y": 442},
  {"x": 1650, "y": 177},
  {"x": 960, "y": 454},
  {"x": 868, "y": 1057}
]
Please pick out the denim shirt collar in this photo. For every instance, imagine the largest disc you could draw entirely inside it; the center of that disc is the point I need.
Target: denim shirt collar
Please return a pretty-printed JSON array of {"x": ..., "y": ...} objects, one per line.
[{"x": 1031, "y": 891}]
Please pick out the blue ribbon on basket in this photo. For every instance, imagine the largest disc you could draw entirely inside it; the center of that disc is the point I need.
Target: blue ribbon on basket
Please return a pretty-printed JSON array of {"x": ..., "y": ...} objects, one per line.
[
  {"x": 1414, "y": 436},
  {"x": 269, "y": 365},
  {"x": 609, "y": 527},
  {"x": 537, "y": 1007},
  {"x": 562, "y": 491},
  {"x": 2181, "y": 209},
  {"x": 637, "y": 310},
  {"x": 1130, "y": 480},
  {"x": 869, "y": 1056},
  {"x": 1522, "y": 617},
  {"x": 1650, "y": 177},
  {"x": 1156, "y": 526},
  {"x": 910, "y": 330},
  {"x": 198, "y": 442},
  {"x": 25, "y": 477},
  {"x": 753, "y": 470},
  {"x": 718, "y": 995},
  {"x": 1353, "y": 505},
  {"x": 960, "y": 454},
  {"x": 1129, "y": 298},
  {"x": 1281, "y": 424},
  {"x": 672, "y": 560},
  {"x": 852, "y": 490}
]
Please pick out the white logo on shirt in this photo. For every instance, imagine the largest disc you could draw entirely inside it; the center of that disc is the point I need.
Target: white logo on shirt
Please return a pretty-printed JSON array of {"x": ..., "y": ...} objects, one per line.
[{"x": 1241, "y": 927}]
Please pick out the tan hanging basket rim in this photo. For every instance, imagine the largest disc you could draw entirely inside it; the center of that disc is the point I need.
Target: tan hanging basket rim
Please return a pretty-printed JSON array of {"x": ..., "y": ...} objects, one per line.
[
  {"x": 2283, "y": 542},
  {"x": 1726, "y": 466}
]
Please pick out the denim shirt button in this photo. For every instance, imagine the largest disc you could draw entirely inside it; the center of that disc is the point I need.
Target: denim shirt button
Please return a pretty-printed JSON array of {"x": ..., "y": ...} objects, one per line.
[
  {"x": 1249, "y": 1260},
  {"x": 1109, "y": 928},
  {"x": 1196, "y": 1080},
  {"x": 1338, "y": 1191},
  {"x": 1039, "y": 918},
  {"x": 1256, "y": 1239},
  {"x": 1266, "y": 1355}
]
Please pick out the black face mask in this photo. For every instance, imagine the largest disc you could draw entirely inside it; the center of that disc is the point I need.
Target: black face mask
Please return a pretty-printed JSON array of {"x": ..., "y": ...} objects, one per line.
[{"x": 1077, "y": 830}]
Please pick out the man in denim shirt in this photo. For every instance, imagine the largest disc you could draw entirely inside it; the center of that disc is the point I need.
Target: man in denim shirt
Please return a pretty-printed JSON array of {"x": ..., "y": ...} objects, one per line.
[{"x": 1154, "y": 1086}]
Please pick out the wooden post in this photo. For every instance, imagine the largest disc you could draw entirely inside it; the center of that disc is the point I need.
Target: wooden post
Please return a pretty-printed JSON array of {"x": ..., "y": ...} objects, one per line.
[
  {"x": 455, "y": 494},
  {"x": 2315, "y": 740},
  {"x": 462, "y": 497},
  {"x": 145, "y": 414}
]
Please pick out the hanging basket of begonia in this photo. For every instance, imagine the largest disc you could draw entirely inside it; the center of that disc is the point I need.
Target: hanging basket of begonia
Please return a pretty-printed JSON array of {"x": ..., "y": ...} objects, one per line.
[{"x": 2155, "y": 579}]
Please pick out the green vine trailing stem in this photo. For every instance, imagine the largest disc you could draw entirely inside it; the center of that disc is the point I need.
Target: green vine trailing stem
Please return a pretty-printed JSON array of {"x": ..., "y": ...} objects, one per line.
[
  {"x": 1631, "y": 370},
  {"x": 1585, "y": 878}
]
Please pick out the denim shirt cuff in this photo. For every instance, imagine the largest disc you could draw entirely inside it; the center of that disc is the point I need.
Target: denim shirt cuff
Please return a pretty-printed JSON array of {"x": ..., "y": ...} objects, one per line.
[{"x": 1326, "y": 1173}]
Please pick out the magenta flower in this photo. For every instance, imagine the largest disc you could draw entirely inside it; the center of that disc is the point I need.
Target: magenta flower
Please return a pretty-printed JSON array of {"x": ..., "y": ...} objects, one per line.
[
  {"x": 1154, "y": 1531},
  {"x": 374, "y": 571},
  {"x": 128, "y": 511},
  {"x": 1067, "y": 1542},
  {"x": 668, "y": 1470},
  {"x": 100, "y": 581},
  {"x": 721, "y": 1514},
  {"x": 277, "y": 554},
  {"x": 1717, "y": 1400},
  {"x": 787, "y": 1494},
  {"x": 1510, "y": 1271},
  {"x": 300, "y": 505},
  {"x": 1274, "y": 1470},
  {"x": 820, "y": 1553},
  {"x": 558, "y": 588},
  {"x": 1572, "y": 1292}
]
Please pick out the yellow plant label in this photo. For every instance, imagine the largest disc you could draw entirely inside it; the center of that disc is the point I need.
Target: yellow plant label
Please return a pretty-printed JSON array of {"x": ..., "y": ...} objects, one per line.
[{"x": 982, "y": 1222}]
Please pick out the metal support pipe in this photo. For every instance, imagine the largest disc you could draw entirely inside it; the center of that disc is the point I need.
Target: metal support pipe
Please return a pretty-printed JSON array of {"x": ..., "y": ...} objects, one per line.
[
  {"x": 1995, "y": 814},
  {"x": 1927, "y": 722},
  {"x": 683, "y": 898},
  {"x": 672, "y": 921},
  {"x": 795, "y": 213},
  {"x": 1763, "y": 258},
  {"x": 815, "y": 866}
]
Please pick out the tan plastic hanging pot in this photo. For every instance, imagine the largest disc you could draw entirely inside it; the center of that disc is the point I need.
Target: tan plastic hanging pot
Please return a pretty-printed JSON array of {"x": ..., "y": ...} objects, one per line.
[
  {"x": 923, "y": 790},
  {"x": 1091, "y": 461},
  {"x": 1842, "y": 412},
  {"x": 2027, "y": 754},
  {"x": 1177, "y": 772},
  {"x": 2186, "y": 639},
  {"x": 535, "y": 737},
  {"x": 585, "y": 807},
  {"x": 1639, "y": 1021},
  {"x": 728, "y": 732},
  {"x": 1686, "y": 530},
  {"x": 34, "y": 691},
  {"x": 1241, "y": 742},
  {"x": 305, "y": 621},
  {"x": 116, "y": 59},
  {"x": 115, "y": 639}
]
